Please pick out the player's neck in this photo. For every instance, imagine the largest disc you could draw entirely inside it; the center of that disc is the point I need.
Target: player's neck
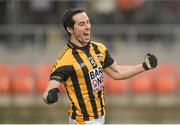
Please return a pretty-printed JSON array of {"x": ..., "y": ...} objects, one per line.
[{"x": 78, "y": 43}]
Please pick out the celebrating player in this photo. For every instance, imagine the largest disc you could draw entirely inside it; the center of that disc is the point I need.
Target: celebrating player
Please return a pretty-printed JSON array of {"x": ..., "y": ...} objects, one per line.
[{"x": 80, "y": 68}]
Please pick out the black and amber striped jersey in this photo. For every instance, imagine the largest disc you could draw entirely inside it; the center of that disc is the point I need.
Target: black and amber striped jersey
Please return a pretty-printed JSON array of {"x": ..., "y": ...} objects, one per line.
[{"x": 81, "y": 71}]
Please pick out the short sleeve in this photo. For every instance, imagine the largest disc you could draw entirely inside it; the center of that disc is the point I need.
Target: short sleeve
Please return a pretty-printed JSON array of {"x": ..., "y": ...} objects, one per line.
[
  {"x": 108, "y": 59},
  {"x": 61, "y": 74}
]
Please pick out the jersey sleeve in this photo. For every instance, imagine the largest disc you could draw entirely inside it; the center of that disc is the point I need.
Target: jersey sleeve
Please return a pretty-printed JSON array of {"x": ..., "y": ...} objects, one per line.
[
  {"x": 108, "y": 59},
  {"x": 61, "y": 74},
  {"x": 61, "y": 69}
]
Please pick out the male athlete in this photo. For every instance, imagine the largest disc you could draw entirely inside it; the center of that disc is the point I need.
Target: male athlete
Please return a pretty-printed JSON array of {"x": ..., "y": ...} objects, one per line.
[{"x": 80, "y": 68}]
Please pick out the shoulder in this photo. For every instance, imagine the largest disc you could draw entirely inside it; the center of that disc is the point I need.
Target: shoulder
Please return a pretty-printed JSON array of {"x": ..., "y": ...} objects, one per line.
[
  {"x": 99, "y": 45},
  {"x": 63, "y": 53},
  {"x": 63, "y": 58}
]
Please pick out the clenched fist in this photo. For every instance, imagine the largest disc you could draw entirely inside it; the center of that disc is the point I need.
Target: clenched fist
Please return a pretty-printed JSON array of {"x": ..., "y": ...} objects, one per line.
[
  {"x": 51, "y": 96},
  {"x": 150, "y": 62}
]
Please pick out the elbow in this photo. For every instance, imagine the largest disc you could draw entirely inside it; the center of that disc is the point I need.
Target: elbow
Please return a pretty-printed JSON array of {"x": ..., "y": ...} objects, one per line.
[
  {"x": 120, "y": 77},
  {"x": 117, "y": 77}
]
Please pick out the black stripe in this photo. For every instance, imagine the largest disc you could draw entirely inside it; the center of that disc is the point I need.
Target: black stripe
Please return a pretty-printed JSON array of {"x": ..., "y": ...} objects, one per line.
[
  {"x": 79, "y": 95},
  {"x": 73, "y": 107},
  {"x": 88, "y": 82},
  {"x": 61, "y": 74},
  {"x": 97, "y": 51},
  {"x": 99, "y": 96},
  {"x": 88, "y": 54},
  {"x": 74, "y": 112}
]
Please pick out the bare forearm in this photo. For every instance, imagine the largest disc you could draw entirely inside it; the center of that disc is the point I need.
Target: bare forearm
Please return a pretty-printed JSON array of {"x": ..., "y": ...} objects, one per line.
[
  {"x": 52, "y": 84},
  {"x": 125, "y": 72}
]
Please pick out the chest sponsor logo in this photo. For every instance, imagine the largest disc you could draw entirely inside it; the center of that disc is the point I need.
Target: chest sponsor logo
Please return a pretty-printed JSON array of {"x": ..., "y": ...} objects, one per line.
[{"x": 96, "y": 77}]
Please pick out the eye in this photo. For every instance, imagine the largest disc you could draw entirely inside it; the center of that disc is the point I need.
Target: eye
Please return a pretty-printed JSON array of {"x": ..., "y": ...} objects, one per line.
[{"x": 81, "y": 24}]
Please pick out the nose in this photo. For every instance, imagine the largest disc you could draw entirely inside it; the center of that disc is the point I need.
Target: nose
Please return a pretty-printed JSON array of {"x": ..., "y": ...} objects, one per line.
[{"x": 88, "y": 26}]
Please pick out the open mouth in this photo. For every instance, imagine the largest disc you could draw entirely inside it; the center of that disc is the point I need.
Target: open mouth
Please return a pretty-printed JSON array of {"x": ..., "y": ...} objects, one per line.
[{"x": 86, "y": 34}]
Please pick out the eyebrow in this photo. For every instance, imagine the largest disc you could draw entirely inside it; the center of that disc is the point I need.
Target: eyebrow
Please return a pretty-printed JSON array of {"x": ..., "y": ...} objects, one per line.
[{"x": 84, "y": 21}]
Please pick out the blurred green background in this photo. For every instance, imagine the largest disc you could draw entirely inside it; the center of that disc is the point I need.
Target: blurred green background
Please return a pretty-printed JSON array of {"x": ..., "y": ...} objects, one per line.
[{"x": 31, "y": 36}]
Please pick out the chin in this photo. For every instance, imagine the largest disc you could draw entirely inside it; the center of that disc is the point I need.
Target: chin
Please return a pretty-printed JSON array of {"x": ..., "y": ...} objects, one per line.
[{"x": 87, "y": 41}]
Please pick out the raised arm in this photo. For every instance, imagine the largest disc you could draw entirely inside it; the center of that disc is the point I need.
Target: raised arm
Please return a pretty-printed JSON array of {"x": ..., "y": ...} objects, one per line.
[{"x": 124, "y": 72}]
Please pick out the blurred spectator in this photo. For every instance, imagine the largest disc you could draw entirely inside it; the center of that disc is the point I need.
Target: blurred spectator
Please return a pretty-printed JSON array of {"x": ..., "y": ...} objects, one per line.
[
  {"x": 126, "y": 5},
  {"x": 3, "y": 17},
  {"x": 41, "y": 10},
  {"x": 104, "y": 11},
  {"x": 171, "y": 10},
  {"x": 161, "y": 12},
  {"x": 2, "y": 12},
  {"x": 151, "y": 12},
  {"x": 77, "y": 4},
  {"x": 128, "y": 9},
  {"x": 169, "y": 15}
]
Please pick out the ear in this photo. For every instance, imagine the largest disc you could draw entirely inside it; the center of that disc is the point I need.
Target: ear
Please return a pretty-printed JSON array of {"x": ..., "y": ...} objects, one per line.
[{"x": 70, "y": 30}]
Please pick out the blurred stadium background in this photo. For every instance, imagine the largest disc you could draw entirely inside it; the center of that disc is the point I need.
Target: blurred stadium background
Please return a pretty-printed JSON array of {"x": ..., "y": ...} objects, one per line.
[{"x": 31, "y": 36}]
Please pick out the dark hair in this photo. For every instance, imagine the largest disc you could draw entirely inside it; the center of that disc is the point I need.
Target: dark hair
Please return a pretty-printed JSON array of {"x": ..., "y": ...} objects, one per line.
[{"x": 67, "y": 17}]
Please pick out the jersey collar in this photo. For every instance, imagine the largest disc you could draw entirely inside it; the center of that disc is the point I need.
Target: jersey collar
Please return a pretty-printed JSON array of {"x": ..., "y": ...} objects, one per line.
[{"x": 74, "y": 46}]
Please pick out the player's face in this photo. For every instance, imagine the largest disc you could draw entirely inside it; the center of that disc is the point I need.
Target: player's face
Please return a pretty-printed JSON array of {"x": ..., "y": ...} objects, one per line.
[{"x": 82, "y": 28}]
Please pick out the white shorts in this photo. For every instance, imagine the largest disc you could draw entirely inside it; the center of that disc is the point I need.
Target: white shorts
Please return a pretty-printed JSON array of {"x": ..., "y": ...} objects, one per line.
[{"x": 99, "y": 121}]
